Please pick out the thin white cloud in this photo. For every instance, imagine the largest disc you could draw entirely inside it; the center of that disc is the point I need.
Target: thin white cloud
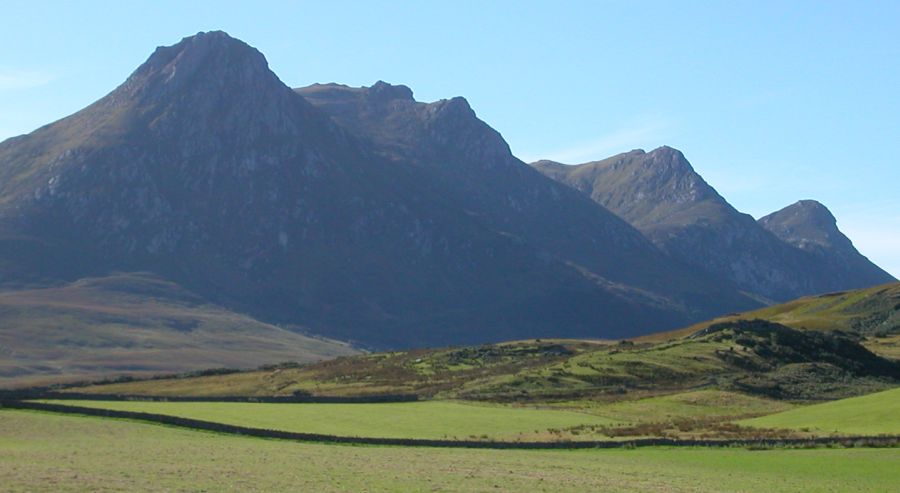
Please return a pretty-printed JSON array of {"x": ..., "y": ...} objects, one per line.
[
  {"x": 16, "y": 79},
  {"x": 644, "y": 134}
]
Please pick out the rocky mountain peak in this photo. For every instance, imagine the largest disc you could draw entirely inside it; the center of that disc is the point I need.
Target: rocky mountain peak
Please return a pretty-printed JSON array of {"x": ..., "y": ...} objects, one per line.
[
  {"x": 453, "y": 125},
  {"x": 209, "y": 62},
  {"x": 206, "y": 91},
  {"x": 811, "y": 227},
  {"x": 666, "y": 159},
  {"x": 456, "y": 105},
  {"x": 199, "y": 46},
  {"x": 389, "y": 114},
  {"x": 806, "y": 224},
  {"x": 382, "y": 91},
  {"x": 662, "y": 176},
  {"x": 809, "y": 211}
]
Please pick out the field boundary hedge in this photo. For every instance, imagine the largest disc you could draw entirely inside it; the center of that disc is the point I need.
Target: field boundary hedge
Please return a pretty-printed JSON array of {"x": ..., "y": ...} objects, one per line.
[{"x": 195, "y": 424}]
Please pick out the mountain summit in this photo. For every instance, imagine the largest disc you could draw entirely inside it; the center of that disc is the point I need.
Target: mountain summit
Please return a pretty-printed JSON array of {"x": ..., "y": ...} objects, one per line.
[
  {"x": 210, "y": 61},
  {"x": 660, "y": 193},
  {"x": 211, "y": 84},
  {"x": 809, "y": 226},
  {"x": 649, "y": 190}
]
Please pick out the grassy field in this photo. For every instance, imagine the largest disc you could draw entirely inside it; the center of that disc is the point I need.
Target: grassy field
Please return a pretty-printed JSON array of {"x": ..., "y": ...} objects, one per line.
[
  {"x": 694, "y": 404},
  {"x": 46, "y": 452},
  {"x": 705, "y": 413},
  {"x": 695, "y": 414},
  {"x": 871, "y": 414},
  {"x": 430, "y": 419}
]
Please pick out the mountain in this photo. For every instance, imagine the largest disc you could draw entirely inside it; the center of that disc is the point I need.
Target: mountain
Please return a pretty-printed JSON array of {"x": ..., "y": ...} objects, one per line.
[
  {"x": 135, "y": 324},
  {"x": 457, "y": 156},
  {"x": 660, "y": 193},
  {"x": 358, "y": 214},
  {"x": 810, "y": 227}
]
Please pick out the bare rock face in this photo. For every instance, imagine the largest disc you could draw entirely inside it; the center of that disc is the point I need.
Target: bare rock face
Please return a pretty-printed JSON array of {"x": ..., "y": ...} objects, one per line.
[
  {"x": 661, "y": 194},
  {"x": 357, "y": 213}
]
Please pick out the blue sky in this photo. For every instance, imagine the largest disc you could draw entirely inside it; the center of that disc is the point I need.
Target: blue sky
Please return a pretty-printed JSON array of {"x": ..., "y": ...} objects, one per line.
[{"x": 771, "y": 101}]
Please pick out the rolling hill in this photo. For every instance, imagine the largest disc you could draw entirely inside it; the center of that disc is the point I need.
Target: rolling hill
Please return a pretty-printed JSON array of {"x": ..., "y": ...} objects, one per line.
[
  {"x": 738, "y": 354},
  {"x": 873, "y": 311},
  {"x": 135, "y": 324}
]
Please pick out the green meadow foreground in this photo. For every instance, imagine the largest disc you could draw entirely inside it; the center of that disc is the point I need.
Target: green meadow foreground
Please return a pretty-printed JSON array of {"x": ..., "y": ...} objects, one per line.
[
  {"x": 730, "y": 380},
  {"x": 872, "y": 414},
  {"x": 429, "y": 419},
  {"x": 47, "y": 452}
]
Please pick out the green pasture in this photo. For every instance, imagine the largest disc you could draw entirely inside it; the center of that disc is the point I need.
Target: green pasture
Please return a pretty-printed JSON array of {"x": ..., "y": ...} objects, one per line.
[
  {"x": 45, "y": 452},
  {"x": 702, "y": 404},
  {"x": 428, "y": 419},
  {"x": 871, "y": 414}
]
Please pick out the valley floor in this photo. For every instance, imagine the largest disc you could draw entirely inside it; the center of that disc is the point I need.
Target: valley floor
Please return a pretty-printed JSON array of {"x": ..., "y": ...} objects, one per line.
[{"x": 48, "y": 452}]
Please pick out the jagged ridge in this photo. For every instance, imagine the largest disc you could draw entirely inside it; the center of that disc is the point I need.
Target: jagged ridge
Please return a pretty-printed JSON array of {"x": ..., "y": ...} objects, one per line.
[{"x": 661, "y": 194}]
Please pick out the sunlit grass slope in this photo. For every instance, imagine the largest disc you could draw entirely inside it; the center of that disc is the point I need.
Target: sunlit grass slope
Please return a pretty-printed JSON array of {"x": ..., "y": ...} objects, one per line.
[
  {"x": 431, "y": 419},
  {"x": 873, "y": 311},
  {"x": 425, "y": 372},
  {"x": 134, "y": 323},
  {"x": 755, "y": 357},
  {"x": 698, "y": 404},
  {"x": 872, "y": 414}
]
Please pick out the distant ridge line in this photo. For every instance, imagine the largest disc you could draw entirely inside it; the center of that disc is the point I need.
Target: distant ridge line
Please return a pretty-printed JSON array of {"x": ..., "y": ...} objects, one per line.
[{"x": 849, "y": 441}]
